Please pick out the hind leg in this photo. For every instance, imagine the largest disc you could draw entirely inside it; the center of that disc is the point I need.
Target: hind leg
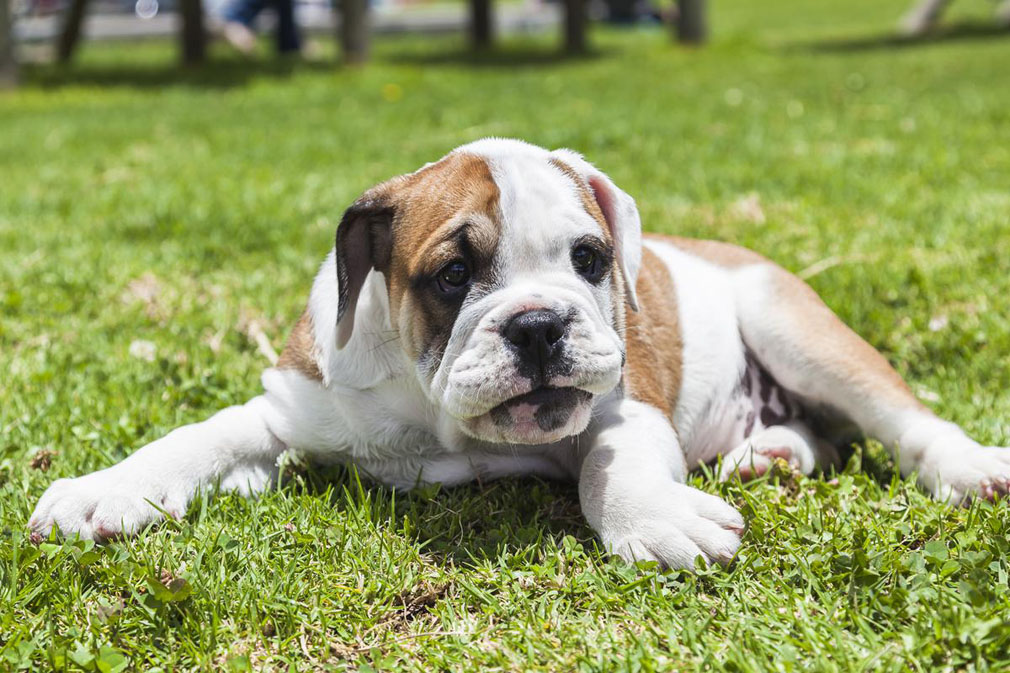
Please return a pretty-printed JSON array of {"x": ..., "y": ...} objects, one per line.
[
  {"x": 793, "y": 442},
  {"x": 808, "y": 350}
]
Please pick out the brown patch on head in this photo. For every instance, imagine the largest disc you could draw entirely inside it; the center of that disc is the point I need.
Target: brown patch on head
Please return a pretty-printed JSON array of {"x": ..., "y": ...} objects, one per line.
[
  {"x": 653, "y": 339},
  {"x": 300, "y": 352},
  {"x": 446, "y": 211},
  {"x": 408, "y": 229},
  {"x": 432, "y": 203}
]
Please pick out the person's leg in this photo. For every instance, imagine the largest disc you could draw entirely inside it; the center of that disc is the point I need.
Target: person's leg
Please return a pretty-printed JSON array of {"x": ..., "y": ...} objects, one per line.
[
  {"x": 287, "y": 30},
  {"x": 239, "y": 22},
  {"x": 244, "y": 11}
]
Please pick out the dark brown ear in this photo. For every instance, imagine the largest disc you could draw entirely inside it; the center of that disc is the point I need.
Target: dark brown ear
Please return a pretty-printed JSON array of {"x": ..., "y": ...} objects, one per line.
[{"x": 364, "y": 242}]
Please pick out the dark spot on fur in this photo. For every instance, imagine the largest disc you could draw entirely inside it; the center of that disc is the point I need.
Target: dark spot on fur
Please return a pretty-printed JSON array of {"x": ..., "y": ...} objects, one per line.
[
  {"x": 751, "y": 417},
  {"x": 501, "y": 416},
  {"x": 766, "y": 385},
  {"x": 554, "y": 406},
  {"x": 787, "y": 409},
  {"x": 770, "y": 417},
  {"x": 555, "y": 412}
]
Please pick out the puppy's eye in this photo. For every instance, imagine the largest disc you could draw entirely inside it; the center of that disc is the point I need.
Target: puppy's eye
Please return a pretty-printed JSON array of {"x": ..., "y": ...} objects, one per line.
[
  {"x": 587, "y": 262},
  {"x": 453, "y": 276}
]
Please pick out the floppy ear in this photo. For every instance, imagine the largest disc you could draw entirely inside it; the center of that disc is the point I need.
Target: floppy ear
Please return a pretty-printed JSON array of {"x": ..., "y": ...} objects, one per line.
[
  {"x": 364, "y": 242},
  {"x": 622, "y": 218}
]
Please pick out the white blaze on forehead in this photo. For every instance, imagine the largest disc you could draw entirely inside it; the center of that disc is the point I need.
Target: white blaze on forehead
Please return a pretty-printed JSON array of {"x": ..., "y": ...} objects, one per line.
[
  {"x": 542, "y": 212},
  {"x": 541, "y": 208}
]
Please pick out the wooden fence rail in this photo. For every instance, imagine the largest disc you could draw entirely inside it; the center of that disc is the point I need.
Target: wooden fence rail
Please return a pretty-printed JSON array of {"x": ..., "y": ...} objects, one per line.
[{"x": 353, "y": 30}]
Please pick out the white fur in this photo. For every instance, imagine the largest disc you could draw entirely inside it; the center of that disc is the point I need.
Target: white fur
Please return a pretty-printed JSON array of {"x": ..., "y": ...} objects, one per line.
[
  {"x": 712, "y": 357},
  {"x": 404, "y": 426},
  {"x": 234, "y": 449},
  {"x": 632, "y": 493}
]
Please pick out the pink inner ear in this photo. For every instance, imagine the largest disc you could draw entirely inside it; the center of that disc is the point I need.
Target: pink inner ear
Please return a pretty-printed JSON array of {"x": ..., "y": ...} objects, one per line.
[{"x": 605, "y": 200}]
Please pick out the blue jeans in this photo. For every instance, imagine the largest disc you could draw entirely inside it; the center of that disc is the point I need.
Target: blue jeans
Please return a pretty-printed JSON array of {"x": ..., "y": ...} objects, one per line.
[{"x": 246, "y": 11}]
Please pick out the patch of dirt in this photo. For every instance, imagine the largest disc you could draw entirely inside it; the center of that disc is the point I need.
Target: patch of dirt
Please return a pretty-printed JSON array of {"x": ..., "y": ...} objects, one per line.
[{"x": 42, "y": 460}]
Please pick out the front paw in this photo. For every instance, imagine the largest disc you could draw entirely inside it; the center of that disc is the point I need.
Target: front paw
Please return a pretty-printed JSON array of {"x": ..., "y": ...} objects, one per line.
[
  {"x": 673, "y": 526},
  {"x": 957, "y": 471},
  {"x": 104, "y": 505}
]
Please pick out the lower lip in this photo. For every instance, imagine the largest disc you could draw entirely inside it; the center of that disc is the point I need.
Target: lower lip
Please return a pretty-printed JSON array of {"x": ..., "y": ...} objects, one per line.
[
  {"x": 542, "y": 396},
  {"x": 541, "y": 414}
]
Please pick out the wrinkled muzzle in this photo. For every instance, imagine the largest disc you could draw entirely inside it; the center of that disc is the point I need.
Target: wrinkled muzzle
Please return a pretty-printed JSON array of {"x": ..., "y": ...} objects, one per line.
[{"x": 524, "y": 366}]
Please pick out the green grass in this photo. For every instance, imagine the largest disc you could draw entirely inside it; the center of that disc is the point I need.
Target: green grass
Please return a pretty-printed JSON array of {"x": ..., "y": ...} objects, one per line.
[{"x": 220, "y": 190}]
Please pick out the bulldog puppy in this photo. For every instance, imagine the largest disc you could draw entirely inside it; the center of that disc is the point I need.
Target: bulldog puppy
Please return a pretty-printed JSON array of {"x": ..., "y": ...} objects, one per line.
[{"x": 498, "y": 313}]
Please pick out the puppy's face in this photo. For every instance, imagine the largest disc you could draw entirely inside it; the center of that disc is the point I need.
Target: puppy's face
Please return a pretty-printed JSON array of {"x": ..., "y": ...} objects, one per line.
[{"x": 505, "y": 284}]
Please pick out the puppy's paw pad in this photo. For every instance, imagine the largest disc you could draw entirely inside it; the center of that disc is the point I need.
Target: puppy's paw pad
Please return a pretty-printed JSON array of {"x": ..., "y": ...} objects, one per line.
[
  {"x": 755, "y": 461},
  {"x": 783, "y": 452}
]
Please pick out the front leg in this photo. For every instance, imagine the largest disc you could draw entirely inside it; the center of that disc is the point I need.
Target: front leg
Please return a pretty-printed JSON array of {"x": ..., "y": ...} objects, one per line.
[
  {"x": 234, "y": 448},
  {"x": 632, "y": 493}
]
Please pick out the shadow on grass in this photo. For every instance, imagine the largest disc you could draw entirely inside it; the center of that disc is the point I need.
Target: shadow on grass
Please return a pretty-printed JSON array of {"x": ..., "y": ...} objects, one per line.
[
  {"x": 476, "y": 523},
  {"x": 524, "y": 514},
  {"x": 224, "y": 73},
  {"x": 502, "y": 57},
  {"x": 956, "y": 32},
  {"x": 465, "y": 524},
  {"x": 215, "y": 74}
]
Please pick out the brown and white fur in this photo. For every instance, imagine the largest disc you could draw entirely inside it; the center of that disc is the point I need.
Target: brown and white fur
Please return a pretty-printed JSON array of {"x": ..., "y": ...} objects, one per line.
[{"x": 661, "y": 355}]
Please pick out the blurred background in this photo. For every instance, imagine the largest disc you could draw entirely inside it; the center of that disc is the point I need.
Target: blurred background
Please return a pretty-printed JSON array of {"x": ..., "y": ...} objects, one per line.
[
  {"x": 179, "y": 188},
  {"x": 171, "y": 176},
  {"x": 64, "y": 23}
]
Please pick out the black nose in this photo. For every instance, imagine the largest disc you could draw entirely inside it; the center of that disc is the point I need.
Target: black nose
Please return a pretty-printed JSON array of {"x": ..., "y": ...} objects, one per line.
[{"x": 536, "y": 335}]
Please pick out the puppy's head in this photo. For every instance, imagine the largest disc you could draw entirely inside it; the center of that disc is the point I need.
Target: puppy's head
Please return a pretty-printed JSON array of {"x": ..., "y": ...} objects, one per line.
[{"x": 508, "y": 268}]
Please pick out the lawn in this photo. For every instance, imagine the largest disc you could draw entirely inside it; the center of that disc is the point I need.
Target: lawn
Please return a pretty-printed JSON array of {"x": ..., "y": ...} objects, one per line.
[{"x": 153, "y": 222}]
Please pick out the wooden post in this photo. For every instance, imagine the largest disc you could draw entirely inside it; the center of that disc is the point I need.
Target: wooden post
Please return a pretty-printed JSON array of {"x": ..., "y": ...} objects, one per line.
[
  {"x": 354, "y": 30},
  {"x": 692, "y": 23},
  {"x": 70, "y": 35},
  {"x": 481, "y": 24},
  {"x": 8, "y": 63},
  {"x": 575, "y": 26},
  {"x": 192, "y": 35}
]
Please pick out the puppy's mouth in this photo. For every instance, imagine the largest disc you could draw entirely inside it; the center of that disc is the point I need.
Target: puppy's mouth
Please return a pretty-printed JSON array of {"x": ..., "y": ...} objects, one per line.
[{"x": 542, "y": 411}]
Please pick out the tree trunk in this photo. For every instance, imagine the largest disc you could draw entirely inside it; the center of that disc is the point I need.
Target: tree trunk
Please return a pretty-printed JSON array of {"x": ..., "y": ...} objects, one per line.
[
  {"x": 692, "y": 22},
  {"x": 575, "y": 26},
  {"x": 192, "y": 36},
  {"x": 8, "y": 64},
  {"x": 71, "y": 33},
  {"x": 481, "y": 24},
  {"x": 354, "y": 30}
]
